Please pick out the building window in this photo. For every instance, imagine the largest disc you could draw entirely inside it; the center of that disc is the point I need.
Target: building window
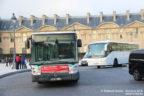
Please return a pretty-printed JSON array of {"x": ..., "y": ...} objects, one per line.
[
  {"x": 1, "y": 51},
  {"x": 24, "y": 37},
  {"x": 94, "y": 35},
  {"x": 108, "y": 35},
  {"x": 0, "y": 38},
  {"x": 11, "y": 37},
  {"x": 121, "y": 36},
  {"x": 11, "y": 50},
  {"x": 24, "y": 51},
  {"x": 136, "y": 34},
  {"x": 130, "y": 33}
]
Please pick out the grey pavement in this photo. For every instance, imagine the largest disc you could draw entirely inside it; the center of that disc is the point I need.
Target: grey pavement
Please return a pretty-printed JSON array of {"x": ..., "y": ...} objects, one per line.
[
  {"x": 93, "y": 82},
  {"x": 8, "y": 70}
]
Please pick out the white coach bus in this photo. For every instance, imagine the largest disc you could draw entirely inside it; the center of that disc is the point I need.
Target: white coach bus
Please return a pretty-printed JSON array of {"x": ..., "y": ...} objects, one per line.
[{"x": 105, "y": 53}]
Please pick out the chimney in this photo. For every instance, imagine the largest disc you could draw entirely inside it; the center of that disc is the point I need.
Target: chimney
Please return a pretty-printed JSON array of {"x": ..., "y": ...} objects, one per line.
[
  {"x": 32, "y": 19},
  {"x": 101, "y": 16},
  {"x": 20, "y": 20},
  {"x": 114, "y": 15},
  {"x": 128, "y": 15},
  {"x": 142, "y": 14},
  {"x": 88, "y": 18},
  {"x": 67, "y": 18},
  {"x": 55, "y": 19},
  {"x": 43, "y": 19}
]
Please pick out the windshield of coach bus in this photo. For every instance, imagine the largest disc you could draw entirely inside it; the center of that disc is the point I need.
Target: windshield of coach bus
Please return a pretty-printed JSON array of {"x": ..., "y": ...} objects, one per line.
[
  {"x": 55, "y": 48},
  {"x": 96, "y": 50}
]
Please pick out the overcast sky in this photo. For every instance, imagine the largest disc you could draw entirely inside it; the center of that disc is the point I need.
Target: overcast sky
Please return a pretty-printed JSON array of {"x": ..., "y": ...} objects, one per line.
[{"x": 61, "y": 7}]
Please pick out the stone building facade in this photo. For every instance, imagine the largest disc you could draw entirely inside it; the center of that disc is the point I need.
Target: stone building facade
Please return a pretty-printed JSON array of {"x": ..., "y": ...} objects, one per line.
[{"x": 127, "y": 27}]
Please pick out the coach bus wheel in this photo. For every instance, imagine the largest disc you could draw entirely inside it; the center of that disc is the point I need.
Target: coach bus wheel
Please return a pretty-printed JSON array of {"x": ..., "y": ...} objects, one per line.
[
  {"x": 115, "y": 63},
  {"x": 98, "y": 67},
  {"x": 137, "y": 75}
]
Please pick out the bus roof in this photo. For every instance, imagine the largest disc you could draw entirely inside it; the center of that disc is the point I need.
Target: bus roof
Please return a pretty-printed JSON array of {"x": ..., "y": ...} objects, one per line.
[
  {"x": 109, "y": 41},
  {"x": 67, "y": 32}
]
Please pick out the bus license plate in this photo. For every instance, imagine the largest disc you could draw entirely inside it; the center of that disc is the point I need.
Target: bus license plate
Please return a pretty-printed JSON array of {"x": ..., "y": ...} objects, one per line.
[{"x": 55, "y": 79}]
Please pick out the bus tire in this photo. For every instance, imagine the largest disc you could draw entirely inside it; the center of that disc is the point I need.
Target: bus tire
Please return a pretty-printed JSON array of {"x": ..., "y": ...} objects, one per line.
[
  {"x": 115, "y": 63},
  {"x": 137, "y": 75},
  {"x": 98, "y": 67}
]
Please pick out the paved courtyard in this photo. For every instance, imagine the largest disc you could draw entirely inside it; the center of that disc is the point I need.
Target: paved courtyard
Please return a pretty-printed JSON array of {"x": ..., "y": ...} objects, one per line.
[
  {"x": 93, "y": 82},
  {"x": 4, "y": 67}
]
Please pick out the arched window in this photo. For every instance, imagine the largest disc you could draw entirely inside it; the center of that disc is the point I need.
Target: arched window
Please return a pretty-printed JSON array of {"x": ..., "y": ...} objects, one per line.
[{"x": 1, "y": 51}]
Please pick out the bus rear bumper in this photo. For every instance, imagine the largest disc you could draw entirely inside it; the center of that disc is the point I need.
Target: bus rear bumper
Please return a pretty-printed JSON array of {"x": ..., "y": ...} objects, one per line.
[{"x": 55, "y": 77}]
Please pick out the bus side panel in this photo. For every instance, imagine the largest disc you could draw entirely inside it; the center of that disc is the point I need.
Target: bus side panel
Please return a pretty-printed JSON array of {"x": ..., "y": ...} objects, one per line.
[
  {"x": 125, "y": 57},
  {"x": 110, "y": 58},
  {"x": 122, "y": 57}
]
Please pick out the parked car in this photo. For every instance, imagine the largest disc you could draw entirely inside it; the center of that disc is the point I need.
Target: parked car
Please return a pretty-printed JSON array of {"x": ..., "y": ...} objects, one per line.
[
  {"x": 83, "y": 61},
  {"x": 136, "y": 64}
]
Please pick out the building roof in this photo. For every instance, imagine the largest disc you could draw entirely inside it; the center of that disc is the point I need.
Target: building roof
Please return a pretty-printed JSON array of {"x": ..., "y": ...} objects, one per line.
[{"x": 121, "y": 20}]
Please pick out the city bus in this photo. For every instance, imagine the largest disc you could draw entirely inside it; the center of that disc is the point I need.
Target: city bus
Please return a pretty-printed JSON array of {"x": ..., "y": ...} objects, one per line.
[
  {"x": 54, "y": 56},
  {"x": 108, "y": 53}
]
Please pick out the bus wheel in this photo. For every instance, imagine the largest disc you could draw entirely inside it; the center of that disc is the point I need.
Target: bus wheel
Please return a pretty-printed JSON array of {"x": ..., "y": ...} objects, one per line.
[
  {"x": 137, "y": 75},
  {"x": 115, "y": 64}
]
